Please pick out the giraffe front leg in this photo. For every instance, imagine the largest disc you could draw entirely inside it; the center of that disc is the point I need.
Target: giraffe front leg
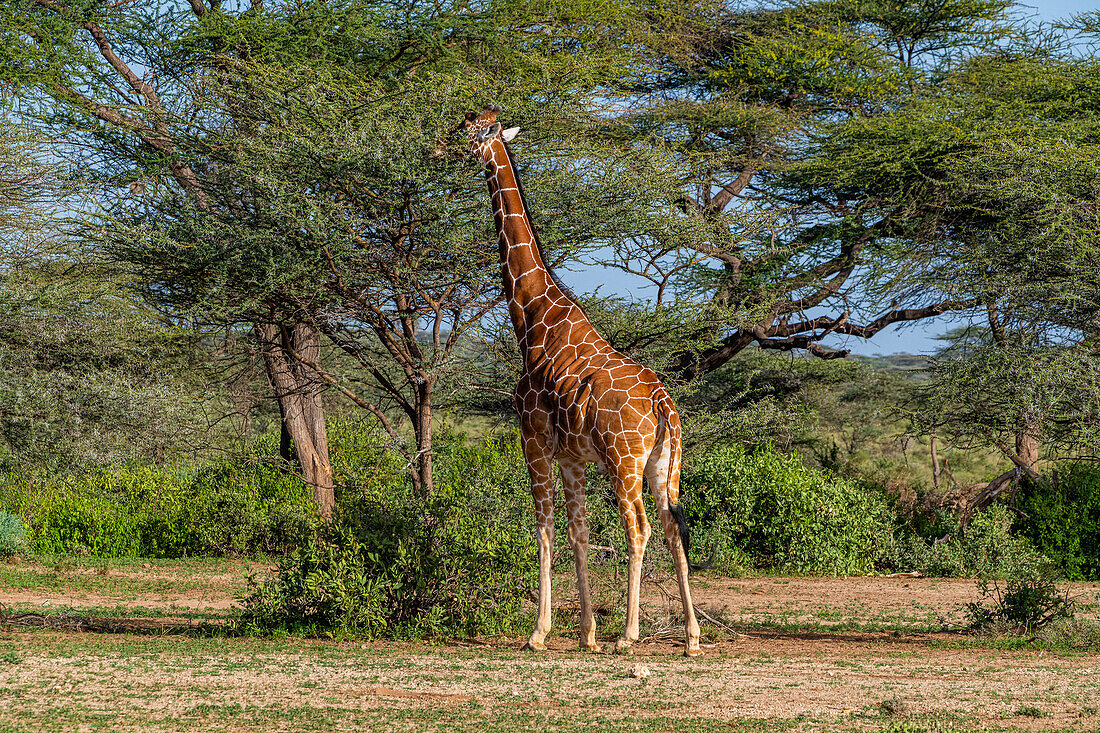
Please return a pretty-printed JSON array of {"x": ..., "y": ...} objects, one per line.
[
  {"x": 572, "y": 473},
  {"x": 542, "y": 490},
  {"x": 546, "y": 546}
]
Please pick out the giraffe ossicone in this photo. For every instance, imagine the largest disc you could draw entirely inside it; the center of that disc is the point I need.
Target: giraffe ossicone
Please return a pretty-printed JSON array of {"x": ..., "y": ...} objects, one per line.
[{"x": 580, "y": 401}]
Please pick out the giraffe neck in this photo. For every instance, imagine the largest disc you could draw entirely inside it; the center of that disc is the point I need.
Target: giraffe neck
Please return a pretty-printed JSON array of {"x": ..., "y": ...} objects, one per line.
[{"x": 529, "y": 288}]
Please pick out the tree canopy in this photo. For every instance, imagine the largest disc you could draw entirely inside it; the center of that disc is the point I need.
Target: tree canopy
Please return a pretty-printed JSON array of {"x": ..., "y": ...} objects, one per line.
[{"x": 780, "y": 175}]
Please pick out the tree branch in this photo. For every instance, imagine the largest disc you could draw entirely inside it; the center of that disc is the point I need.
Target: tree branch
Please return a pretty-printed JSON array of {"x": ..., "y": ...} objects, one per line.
[{"x": 720, "y": 200}]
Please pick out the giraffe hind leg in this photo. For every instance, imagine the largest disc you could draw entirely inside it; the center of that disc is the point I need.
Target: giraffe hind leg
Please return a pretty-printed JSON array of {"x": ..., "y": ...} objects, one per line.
[{"x": 662, "y": 474}]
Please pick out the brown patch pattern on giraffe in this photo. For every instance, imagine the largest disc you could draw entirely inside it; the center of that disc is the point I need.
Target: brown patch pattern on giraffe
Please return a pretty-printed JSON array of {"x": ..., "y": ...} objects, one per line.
[{"x": 580, "y": 401}]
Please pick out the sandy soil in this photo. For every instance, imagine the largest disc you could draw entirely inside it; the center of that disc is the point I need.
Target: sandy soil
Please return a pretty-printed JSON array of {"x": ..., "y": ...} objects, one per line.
[
  {"x": 800, "y": 662},
  {"x": 830, "y": 601},
  {"x": 819, "y": 681},
  {"x": 161, "y": 588}
]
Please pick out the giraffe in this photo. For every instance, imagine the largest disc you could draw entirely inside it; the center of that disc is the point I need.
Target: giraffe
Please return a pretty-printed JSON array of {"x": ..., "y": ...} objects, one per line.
[{"x": 580, "y": 401}]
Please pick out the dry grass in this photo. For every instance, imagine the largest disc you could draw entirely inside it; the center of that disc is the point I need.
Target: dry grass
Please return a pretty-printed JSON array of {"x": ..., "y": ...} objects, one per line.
[{"x": 792, "y": 653}]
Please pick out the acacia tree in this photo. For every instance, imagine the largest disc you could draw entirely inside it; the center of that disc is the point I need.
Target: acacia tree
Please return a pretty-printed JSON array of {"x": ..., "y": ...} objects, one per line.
[
  {"x": 1028, "y": 382},
  {"x": 376, "y": 244},
  {"x": 111, "y": 78},
  {"x": 325, "y": 196},
  {"x": 741, "y": 108},
  {"x": 999, "y": 171},
  {"x": 89, "y": 376}
]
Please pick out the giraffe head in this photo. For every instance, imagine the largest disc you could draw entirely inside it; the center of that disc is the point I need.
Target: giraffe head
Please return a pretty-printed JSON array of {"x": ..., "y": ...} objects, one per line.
[{"x": 482, "y": 129}]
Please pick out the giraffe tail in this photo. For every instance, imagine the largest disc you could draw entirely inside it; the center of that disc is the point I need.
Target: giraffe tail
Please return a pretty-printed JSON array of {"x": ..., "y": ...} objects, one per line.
[
  {"x": 674, "y": 507},
  {"x": 677, "y": 512}
]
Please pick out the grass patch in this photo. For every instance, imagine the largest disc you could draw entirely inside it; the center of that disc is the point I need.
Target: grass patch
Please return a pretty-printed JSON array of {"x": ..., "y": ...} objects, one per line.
[
  {"x": 122, "y": 580},
  {"x": 925, "y": 725}
]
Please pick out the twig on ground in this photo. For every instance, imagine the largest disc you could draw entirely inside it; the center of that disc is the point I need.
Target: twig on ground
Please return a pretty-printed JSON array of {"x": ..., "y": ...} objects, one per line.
[{"x": 700, "y": 612}]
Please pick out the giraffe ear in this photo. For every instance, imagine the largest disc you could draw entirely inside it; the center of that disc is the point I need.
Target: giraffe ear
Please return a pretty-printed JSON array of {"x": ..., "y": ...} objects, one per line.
[{"x": 510, "y": 134}]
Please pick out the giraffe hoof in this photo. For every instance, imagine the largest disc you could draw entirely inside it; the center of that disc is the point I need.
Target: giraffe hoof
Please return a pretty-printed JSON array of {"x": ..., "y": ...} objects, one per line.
[
  {"x": 623, "y": 646},
  {"x": 693, "y": 652},
  {"x": 591, "y": 647},
  {"x": 534, "y": 646}
]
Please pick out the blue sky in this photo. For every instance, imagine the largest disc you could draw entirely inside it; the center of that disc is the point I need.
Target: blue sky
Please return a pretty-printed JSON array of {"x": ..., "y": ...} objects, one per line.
[
  {"x": 1060, "y": 8},
  {"x": 916, "y": 338}
]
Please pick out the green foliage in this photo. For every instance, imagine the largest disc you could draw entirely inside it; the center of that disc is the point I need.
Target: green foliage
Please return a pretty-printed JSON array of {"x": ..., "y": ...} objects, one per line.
[
  {"x": 234, "y": 507},
  {"x": 1071, "y": 633},
  {"x": 88, "y": 376},
  {"x": 252, "y": 505},
  {"x": 1062, "y": 520},
  {"x": 1025, "y": 600},
  {"x": 982, "y": 394},
  {"x": 13, "y": 535},
  {"x": 740, "y": 103},
  {"x": 1018, "y": 247},
  {"x": 458, "y": 561},
  {"x": 987, "y": 548},
  {"x": 784, "y": 515},
  {"x": 329, "y": 586}
]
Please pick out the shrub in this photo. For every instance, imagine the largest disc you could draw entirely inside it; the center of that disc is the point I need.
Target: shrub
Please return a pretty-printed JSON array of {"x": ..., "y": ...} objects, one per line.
[
  {"x": 330, "y": 586},
  {"x": 1062, "y": 519},
  {"x": 986, "y": 549},
  {"x": 78, "y": 514},
  {"x": 237, "y": 506},
  {"x": 13, "y": 536},
  {"x": 770, "y": 507},
  {"x": 1023, "y": 600},
  {"x": 1072, "y": 634},
  {"x": 458, "y": 561}
]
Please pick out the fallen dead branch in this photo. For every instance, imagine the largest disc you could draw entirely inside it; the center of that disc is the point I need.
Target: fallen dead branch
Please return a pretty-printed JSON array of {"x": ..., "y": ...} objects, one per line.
[
  {"x": 675, "y": 598},
  {"x": 66, "y": 621}
]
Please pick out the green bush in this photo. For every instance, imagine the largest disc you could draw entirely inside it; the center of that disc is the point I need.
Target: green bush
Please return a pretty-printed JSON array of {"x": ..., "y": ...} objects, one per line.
[
  {"x": 238, "y": 506},
  {"x": 987, "y": 548},
  {"x": 1062, "y": 520},
  {"x": 1022, "y": 600},
  {"x": 330, "y": 586},
  {"x": 399, "y": 564},
  {"x": 13, "y": 535},
  {"x": 247, "y": 506},
  {"x": 1072, "y": 634},
  {"x": 770, "y": 508},
  {"x": 81, "y": 515}
]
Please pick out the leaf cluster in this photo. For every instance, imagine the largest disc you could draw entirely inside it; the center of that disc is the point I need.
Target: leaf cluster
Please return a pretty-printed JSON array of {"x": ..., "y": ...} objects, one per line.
[{"x": 988, "y": 394}]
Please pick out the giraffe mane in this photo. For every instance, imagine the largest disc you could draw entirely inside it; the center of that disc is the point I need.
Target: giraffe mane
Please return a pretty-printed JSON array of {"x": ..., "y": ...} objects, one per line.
[{"x": 538, "y": 244}]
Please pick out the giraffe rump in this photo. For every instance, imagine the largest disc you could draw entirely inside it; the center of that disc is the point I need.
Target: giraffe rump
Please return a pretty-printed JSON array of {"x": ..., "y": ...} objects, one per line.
[{"x": 670, "y": 427}]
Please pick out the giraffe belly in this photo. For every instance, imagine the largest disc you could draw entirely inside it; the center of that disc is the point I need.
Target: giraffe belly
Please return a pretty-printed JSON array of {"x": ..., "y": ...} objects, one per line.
[
  {"x": 576, "y": 431},
  {"x": 588, "y": 403},
  {"x": 579, "y": 447}
]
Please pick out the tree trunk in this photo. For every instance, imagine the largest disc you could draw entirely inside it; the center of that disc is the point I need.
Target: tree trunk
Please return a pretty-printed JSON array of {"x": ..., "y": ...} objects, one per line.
[
  {"x": 1027, "y": 445},
  {"x": 298, "y": 392},
  {"x": 423, "y": 469},
  {"x": 935, "y": 464},
  {"x": 286, "y": 445}
]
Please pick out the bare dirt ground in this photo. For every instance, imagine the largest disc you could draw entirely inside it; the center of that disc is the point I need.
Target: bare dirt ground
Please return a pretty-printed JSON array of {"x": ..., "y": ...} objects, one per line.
[{"x": 817, "y": 654}]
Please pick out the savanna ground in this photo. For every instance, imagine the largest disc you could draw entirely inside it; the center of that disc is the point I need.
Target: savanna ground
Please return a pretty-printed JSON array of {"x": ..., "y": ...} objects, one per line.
[{"x": 134, "y": 645}]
